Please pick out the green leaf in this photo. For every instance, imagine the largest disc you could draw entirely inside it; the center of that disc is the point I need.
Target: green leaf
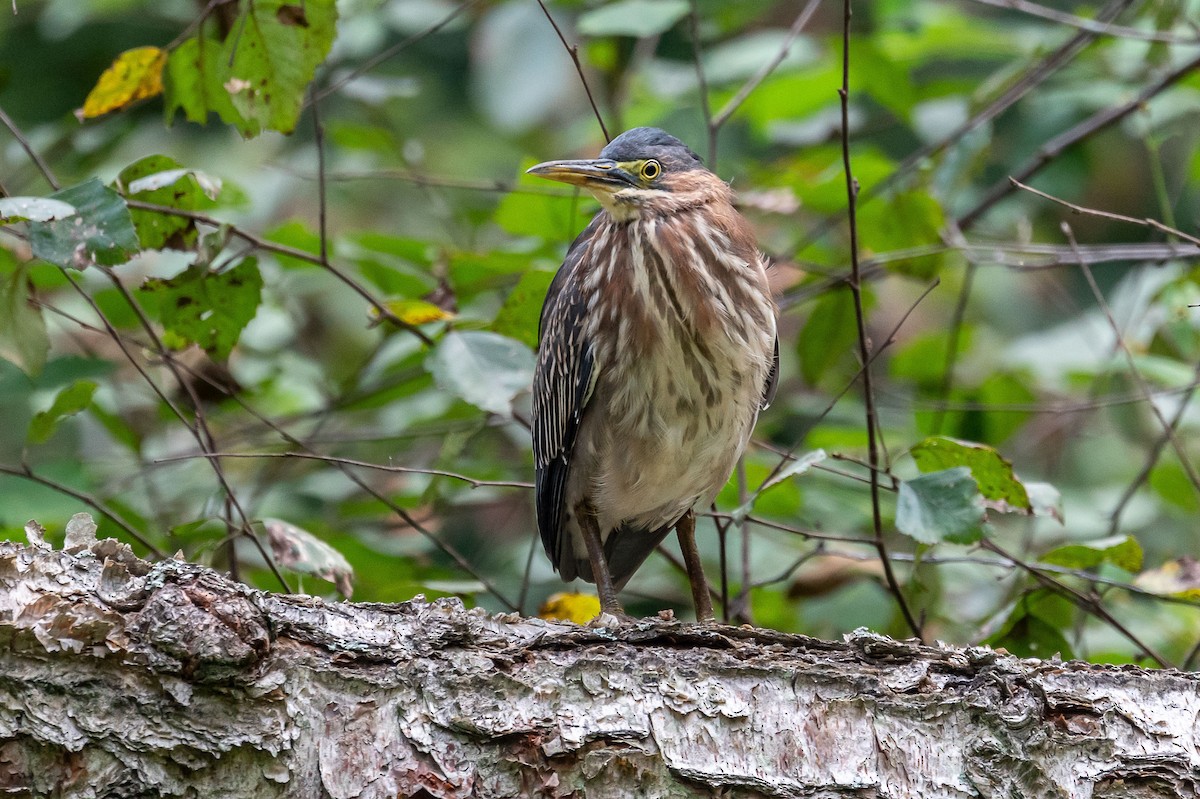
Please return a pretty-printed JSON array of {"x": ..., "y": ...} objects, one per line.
[
  {"x": 547, "y": 216},
  {"x": 796, "y": 466},
  {"x": 485, "y": 369},
  {"x": 829, "y": 333},
  {"x": 36, "y": 209},
  {"x": 1172, "y": 483},
  {"x": 23, "y": 337},
  {"x": 209, "y": 308},
  {"x": 1034, "y": 627},
  {"x": 922, "y": 359},
  {"x": 1122, "y": 551},
  {"x": 632, "y": 18},
  {"x": 70, "y": 401},
  {"x": 1000, "y": 389},
  {"x": 298, "y": 550},
  {"x": 518, "y": 317},
  {"x": 941, "y": 506},
  {"x": 991, "y": 471},
  {"x": 160, "y": 180},
  {"x": 100, "y": 232},
  {"x": 900, "y": 222},
  {"x": 884, "y": 78},
  {"x": 255, "y": 79},
  {"x": 1028, "y": 636},
  {"x": 298, "y": 236}
]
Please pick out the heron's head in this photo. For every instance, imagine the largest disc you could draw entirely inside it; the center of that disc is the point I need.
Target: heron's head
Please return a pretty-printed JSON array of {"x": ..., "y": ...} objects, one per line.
[{"x": 644, "y": 170}]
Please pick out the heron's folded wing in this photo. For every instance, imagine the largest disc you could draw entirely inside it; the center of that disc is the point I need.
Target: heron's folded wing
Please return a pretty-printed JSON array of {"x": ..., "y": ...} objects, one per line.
[{"x": 562, "y": 385}]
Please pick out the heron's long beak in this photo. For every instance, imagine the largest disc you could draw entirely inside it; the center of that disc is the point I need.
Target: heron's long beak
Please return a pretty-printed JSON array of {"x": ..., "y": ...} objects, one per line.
[{"x": 602, "y": 174}]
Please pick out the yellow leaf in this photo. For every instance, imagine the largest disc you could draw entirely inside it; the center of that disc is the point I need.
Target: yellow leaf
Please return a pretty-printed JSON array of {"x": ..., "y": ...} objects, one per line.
[
  {"x": 579, "y": 608},
  {"x": 135, "y": 75},
  {"x": 415, "y": 312}
]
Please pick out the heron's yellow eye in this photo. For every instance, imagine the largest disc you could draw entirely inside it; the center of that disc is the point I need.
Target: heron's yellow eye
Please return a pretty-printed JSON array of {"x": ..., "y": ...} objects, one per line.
[{"x": 651, "y": 169}]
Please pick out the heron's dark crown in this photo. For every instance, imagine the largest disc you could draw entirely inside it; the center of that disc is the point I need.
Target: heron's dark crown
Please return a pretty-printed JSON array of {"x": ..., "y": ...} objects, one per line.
[{"x": 642, "y": 143}]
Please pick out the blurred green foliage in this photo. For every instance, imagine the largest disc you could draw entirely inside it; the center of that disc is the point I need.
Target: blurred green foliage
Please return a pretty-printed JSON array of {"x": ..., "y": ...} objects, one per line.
[{"x": 312, "y": 358}]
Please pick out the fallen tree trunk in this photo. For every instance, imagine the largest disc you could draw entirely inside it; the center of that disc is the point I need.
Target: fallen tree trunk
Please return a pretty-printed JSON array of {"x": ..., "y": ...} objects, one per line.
[{"x": 119, "y": 678}]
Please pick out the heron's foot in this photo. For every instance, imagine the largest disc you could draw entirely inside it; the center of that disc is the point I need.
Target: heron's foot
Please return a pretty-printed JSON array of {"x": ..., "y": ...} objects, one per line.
[{"x": 611, "y": 618}]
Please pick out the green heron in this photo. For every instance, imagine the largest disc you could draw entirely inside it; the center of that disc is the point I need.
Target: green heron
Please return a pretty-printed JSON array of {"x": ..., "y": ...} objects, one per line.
[{"x": 657, "y": 351}]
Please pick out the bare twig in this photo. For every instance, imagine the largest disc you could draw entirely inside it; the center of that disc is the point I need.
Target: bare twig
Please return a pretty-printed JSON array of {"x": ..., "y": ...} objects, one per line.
[
  {"x": 702, "y": 84},
  {"x": 436, "y": 181},
  {"x": 1154, "y": 454},
  {"x": 864, "y": 347},
  {"x": 42, "y": 166},
  {"x": 398, "y": 47},
  {"x": 348, "y": 470},
  {"x": 742, "y": 602},
  {"x": 203, "y": 435},
  {"x": 1090, "y": 25},
  {"x": 1084, "y": 210},
  {"x": 26, "y": 473},
  {"x": 1138, "y": 379},
  {"x": 322, "y": 203},
  {"x": 1060, "y": 143},
  {"x": 1045, "y": 154},
  {"x": 1038, "y": 73},
  {"x": 263, "y": 244},
  {"x": 380, "y": 467},
  {"x": 1085, "y": 602},
  {"x": 755, "y": 80},
  {"x": 875, "y": 353},
  {"x": 573, "y": 51}
]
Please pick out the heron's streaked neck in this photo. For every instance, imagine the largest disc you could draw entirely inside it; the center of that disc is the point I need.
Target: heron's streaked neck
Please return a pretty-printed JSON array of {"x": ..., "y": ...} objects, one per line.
[
  {"x": 629, "y": 205},
  {"x": 625, "y": 205}
]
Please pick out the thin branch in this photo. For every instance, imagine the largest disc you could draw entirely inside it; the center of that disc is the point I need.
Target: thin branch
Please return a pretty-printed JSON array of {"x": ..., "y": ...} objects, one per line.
[
  {"x": 1087, "y": 603},
  {"x": 1042, "y": 70},
  {"x": 404, "y": 44},
  {"x": 1060, "y": 143},
  {"x": 260, "y": 243},
  {"x": 42, "y": 166},
  {"x": 1051, "y": 408},
  {"x": 379, "y": 467},
  {"x": 765, "y": 71},
  {"x": 199, "y": 20},
  {"x": 1155, "y": 453},
  {"x": 348, "y": 470},
  {"x": 1090, "y": 25},
  {"x": 864, "y": 348},
  {"x": 573, "y": 51},
  {"x": 891, "y": 339},
  {"x": 723, "y": 526},
  {"x": 1085, "y": 211},
  {"x": 742, "y": 602},
  {"x": 681, "y": 567},
  {"x": 1138, "y": 379},
  {"x": 702, "y": 84},
  {"x": 322, "y": 204},
  {"x": 787, "y": 573},
  {"x": 435, "y": 181},
  {"x": 1003, "y": 562},
  {"x": 202, "y": 433},
  {"x": 27, "y": 473},
  {"x": 1046, "y": 153},
  {"x": 1016, "y": 256},
  {"x": 816, "y": 535}
]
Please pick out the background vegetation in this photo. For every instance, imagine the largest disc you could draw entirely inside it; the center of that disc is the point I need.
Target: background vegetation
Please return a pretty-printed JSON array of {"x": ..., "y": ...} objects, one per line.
[{"x": 310, "y": 362}]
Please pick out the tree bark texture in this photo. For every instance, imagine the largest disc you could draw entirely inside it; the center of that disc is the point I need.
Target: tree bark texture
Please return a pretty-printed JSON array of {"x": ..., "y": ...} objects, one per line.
[{"x": 121, "y": 678}]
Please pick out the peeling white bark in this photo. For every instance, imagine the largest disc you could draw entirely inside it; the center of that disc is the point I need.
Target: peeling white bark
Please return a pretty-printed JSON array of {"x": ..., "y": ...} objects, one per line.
[{"x": 119, "y": 678}]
